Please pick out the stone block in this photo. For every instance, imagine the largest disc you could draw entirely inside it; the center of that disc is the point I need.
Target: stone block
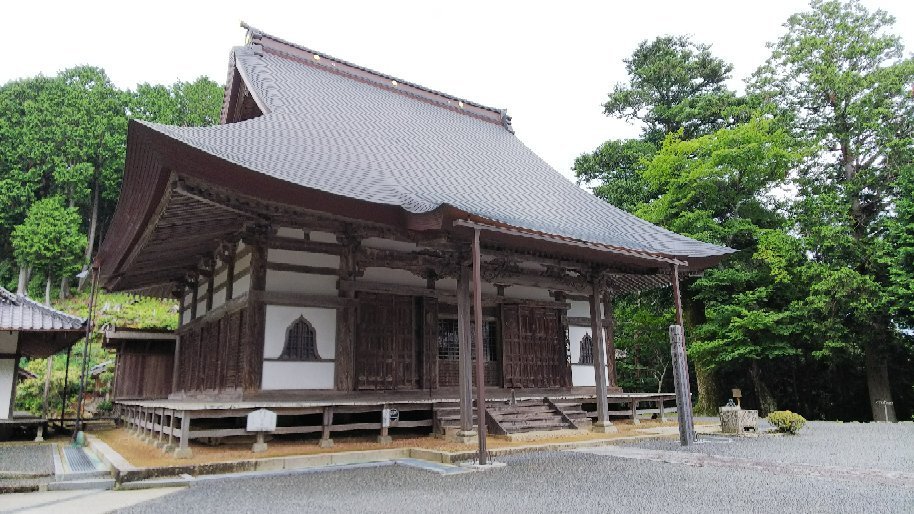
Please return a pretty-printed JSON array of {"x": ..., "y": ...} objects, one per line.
[
  {"x": 604, "y": 427},
  {"x": 307, "y": 461},
  {"x": 736, "y": 421}
]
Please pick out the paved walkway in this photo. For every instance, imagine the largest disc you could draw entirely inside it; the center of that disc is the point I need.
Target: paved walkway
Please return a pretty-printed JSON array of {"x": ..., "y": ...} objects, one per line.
[
  {"x": 701, "y": 459},
  {"x": 82, "y": 502}
]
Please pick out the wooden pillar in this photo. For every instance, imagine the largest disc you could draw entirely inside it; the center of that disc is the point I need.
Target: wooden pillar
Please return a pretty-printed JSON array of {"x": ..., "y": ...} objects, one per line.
[
  {"x": 480, "y": 367},
  {"x": 161, "y": 442},
  {"x": 230, "y": 271},
  {"x": 210, "y": 282},
  {"x": 170, "y": 446},
  {"x": 634, "y": 405},
  {"x": 183, "y": 451},
  {"x": 256, "y": 315},
  {"x": 344, "y": 367},
  {"x": 465, "y": 366},
  {"x": 194, "y": 296},
  {"x": 326, "y": 441},
  {"x": 599, "y": 356},
  {"x": 609, "y": 328},
  {"x": 681, "y": 367}
]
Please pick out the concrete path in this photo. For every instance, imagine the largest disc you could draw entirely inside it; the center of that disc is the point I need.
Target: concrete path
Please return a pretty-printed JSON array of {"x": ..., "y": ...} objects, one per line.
[{"x": 83, "y": 502}]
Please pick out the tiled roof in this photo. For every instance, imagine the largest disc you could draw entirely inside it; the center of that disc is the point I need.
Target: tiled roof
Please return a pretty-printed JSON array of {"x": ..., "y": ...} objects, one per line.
[
  {"x": 329, "y": 130},
  {"x": 20, "y": 313}
]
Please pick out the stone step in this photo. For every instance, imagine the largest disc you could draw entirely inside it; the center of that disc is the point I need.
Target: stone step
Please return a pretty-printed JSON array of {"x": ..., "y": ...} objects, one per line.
[{"x": 98, "y": 484}]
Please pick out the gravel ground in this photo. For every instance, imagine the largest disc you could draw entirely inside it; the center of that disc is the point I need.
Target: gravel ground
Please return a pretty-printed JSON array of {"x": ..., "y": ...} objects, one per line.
[
  {"x": 883, "y": 446},
  {"x": 541, "y": 482},
  {"x": 27, "y": 458}
]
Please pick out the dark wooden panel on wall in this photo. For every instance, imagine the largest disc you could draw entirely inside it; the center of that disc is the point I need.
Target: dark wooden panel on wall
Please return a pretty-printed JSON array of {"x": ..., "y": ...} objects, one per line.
[
  {"x": 212, "y": 354},
  {"x": 533, "y": 347},
  {"x": 144, "y": 370},
  {"x": 385, "y": 353}
]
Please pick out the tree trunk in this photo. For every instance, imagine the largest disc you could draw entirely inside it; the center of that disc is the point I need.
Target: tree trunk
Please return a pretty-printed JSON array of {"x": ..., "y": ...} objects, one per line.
[
  {"x": 23, "y": 287},
  {"x": 64, "y": 287},
  {"x": 93, "y": 226},
  {"x": 766, "y": 402},
  {"x": 47, "y": 290},
  {"x": 708, "y": 393},
  {"x": 877, "y": 383}
]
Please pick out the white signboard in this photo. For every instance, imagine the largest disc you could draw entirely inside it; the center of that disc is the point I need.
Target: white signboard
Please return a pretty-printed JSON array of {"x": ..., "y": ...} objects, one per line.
[{"x": 262, "y": 420}]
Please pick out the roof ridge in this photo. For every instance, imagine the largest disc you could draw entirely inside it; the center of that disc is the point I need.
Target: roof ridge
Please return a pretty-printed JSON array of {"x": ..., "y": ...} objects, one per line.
[{"x": 255, "y": 37}]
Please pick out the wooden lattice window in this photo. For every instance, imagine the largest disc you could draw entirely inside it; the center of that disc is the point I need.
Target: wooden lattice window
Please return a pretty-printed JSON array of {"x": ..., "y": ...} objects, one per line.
[
  {"x": 301, "y": 342},
  {"x": 449, "y": 345},
  {"x": 586, "y": 350}
]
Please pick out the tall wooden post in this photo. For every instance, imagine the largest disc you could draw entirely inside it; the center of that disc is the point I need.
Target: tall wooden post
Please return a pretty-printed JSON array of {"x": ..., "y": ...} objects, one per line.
[
  {"x": 480, "y": 368},
  {"x": 465, "y": 366},
  {"x": 681, "y": 367},
  {"x": 599, "y": 356},
  {"x": 609, "y": 328}
]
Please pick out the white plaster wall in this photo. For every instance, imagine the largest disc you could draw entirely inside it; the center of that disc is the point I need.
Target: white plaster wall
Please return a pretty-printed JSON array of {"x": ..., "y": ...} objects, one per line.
[
  {"x": 582, "y": 375},
  {"x": 579, "y": 309},
  {"x": 219, "y": 298},
  {"x": 298, "y": 375},
  {"x": 392, "y": 276},
  {"x": 242, "y": 285},
  {"x": 389, "y": 244},
  {"x": 574, "y": 336},
  {"x": 303, "y": 258},
  {"x": 243, "y": 262},
  {"x": 185, "y": 317},
  {"x": 9, "y": 342},
  {"x": 450, "y": 284},
  {"x": 527, "y": 293},
  {"x": 291, "y": 282},
  {"x": 7, "y": 379}
]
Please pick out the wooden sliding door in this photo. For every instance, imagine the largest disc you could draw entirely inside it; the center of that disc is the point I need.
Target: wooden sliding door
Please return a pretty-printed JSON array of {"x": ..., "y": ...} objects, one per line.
[
  {"x": 386, "y": 353},
  {"x": 534, "y": 347}
]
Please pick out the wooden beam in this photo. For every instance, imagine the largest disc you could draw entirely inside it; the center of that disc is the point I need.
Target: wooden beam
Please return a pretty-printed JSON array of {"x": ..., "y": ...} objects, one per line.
[
  {"x": 297, "y": 268},
  {"x": 301, "y": 245},
  {"x": 301, "y": 300}
]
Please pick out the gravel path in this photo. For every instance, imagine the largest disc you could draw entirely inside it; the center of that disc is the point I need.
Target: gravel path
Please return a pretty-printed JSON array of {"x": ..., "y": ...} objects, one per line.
[
  {"x": 882, "y": 446},
  {"x": 541, "y": 482},
  {"x": 26, "y": 458}
]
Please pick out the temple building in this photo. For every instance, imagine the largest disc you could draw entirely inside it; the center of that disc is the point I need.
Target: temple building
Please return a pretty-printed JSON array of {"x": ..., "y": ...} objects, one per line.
[
  {"x": 28, "y": 329},
  {"x": 321, "y": 241}
]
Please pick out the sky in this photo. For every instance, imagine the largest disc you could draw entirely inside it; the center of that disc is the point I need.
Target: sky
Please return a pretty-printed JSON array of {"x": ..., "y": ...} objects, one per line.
[{"x": 551, "y": 64}]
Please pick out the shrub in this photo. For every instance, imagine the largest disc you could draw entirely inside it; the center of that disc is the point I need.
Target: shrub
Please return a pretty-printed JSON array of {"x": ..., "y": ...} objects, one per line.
[
  {"x": 104, "y": 407},
  {"x": 786, "y": 421}
]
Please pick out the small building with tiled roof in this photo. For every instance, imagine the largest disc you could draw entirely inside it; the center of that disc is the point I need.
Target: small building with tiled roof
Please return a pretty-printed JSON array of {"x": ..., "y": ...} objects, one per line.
[
  {"x": 29, "y": 329},
  {"x": 321, "y": 238}
]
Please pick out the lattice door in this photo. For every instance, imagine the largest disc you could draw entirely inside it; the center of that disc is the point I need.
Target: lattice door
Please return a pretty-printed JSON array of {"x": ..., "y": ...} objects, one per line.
[
  {"x": 534, "y": 347},
  {"x": 385, "y": 348}
]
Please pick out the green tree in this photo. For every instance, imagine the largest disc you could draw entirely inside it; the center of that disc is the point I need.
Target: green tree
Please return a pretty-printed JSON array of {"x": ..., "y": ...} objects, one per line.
[
  {"x": 839, "y": 80},
  {"x": 674, "y": 84},
  {"x": 188, "y": 104},
  {"x": 718, "y": 188},
  {"x": 49, "y": 239}
]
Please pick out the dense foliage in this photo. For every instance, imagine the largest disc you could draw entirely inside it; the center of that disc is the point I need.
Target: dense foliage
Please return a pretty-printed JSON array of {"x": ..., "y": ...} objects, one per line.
[
  {"x": 62, "y": 147},
  {"x": 809, "y": 176},
  {"x": 112, "y": 310}
]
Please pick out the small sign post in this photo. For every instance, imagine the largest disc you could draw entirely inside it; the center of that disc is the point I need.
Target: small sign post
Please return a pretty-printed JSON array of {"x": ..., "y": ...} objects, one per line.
[{"x": 260, "y": 421}]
